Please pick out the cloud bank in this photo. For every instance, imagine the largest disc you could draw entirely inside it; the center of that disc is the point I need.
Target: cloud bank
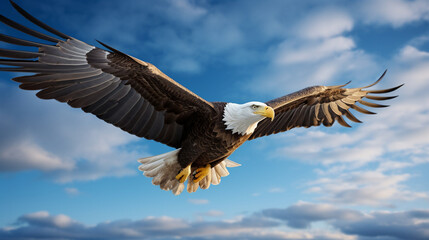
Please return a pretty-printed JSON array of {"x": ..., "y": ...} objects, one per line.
[{"x": 267, "y": 224}]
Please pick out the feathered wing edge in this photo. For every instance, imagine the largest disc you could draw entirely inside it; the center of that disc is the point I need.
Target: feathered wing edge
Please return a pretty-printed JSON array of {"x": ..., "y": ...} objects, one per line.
[
  {"x": 103, "y": 83},
  {"x": 318, "y": 105}
]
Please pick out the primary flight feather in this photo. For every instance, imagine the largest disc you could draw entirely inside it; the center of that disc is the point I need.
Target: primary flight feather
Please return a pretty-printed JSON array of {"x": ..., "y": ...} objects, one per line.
[{"x": 138, "y": 98}]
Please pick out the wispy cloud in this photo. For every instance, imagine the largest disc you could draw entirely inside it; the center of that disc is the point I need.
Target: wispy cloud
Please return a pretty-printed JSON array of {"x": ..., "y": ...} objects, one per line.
[
  {"x": 25, "y": 154},
  {"x": 393, "y": 12},
  {"x": 411, "y": 53},
  {"x": 324, "y": 23},
  {"x": 63, "y": 143},
  {"x": 290, "y": 53},
  {"x": 365, "y": 188}
]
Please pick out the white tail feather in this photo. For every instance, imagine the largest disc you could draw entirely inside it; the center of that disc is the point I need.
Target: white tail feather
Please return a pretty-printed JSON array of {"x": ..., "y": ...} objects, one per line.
[{"x": 164, "y": 168}]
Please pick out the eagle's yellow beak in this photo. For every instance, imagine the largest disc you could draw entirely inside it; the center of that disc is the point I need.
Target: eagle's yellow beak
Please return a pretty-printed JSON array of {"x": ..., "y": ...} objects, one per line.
[{"x": 266, "y": 112}]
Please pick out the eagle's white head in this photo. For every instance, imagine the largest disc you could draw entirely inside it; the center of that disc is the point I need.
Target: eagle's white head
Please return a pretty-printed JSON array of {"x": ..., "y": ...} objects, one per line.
[{"x": 244, "y": 118}]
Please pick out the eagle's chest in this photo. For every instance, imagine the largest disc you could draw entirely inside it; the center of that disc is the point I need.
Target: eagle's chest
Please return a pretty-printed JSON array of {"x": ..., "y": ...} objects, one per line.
[
  {"x": 208, "y": 141},
  {"x": 218, "y": 143}
]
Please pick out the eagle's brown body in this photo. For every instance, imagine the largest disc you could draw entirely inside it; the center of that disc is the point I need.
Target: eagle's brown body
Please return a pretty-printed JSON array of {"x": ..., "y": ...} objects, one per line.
[
  {"x": 138, "y": 98},
  {"x": 207, "y": 141}
]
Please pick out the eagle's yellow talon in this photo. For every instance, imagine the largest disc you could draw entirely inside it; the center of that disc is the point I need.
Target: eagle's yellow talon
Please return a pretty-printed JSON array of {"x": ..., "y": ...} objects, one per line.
[
  {"x": 201, "y": 173},
  {"x": 184, "y": 174}
]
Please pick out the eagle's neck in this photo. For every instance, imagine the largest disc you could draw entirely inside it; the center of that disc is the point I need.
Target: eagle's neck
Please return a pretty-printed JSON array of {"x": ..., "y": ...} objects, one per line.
[{"x": 238, "y": 120}]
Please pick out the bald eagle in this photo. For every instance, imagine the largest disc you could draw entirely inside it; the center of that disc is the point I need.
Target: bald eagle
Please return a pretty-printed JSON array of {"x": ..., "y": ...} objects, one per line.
[{"x": 138, "y": 98}]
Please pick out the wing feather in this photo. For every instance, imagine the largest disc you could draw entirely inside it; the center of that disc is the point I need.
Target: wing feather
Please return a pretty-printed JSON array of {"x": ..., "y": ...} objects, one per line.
[
  {"x": 318, "y": 105},
  {"x": 133, "y": 123},
  {"x": 122, "y": 107},
  {"x": 96, "y": 95},
  {"x": 112, "y": 100},
  {"x": 27, "y": 30},
  {"x": 370, "y": 104},
  {"x": 129, "y": 93},
  {"x": 325, "y": 111},
  {"x": 379, "y": 98},
  {"x": 132, "y": 113},
  {"x": 348, "y": 101},
  {"x": 334, "y": 107},
  {"x": 362, "y": 110},
  {"x": 341, "y": 121},
  {"x": 351, "y": 117},
  {"x": 341, "y": 104}
]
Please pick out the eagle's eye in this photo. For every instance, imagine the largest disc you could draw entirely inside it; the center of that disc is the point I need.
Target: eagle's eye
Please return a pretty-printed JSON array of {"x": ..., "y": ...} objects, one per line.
[{"x": 254, "y": 107}]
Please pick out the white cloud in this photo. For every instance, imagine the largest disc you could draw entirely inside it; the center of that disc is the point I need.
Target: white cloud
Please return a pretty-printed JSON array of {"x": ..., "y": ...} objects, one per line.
[
  {"x": 65, "y": 144},
  {"x": 324, "y": 24},
  {"x": 415, "y": 76},
  {"x": 289, "y": 53},
  {"x": 43, "y": 218},
  {"x": 322, "y": 146},
  {"x": 27, "y": 155},
  {"x": 371, "y": 188},
  {"x": 394, "y": 12},
  {"x": 411, "y": 53},
  {"x": 186, "y": 10}
]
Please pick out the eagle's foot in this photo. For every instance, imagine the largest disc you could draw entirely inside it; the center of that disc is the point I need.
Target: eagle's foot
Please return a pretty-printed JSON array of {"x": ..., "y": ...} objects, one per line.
[
  {"x": 184, "y": 174},
  {"x": 201, "y": 173}
]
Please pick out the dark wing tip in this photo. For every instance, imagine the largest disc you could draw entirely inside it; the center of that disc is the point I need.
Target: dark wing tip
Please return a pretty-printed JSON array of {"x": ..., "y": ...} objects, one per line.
[
  {"x": 13, "y": 4},
  {"x": 109, "y": 47},
  {"x": 371, "y": 104},
  {"x": 380, "y": 98},
  {"x": 340, "y": 86},
  {"x": 385, "y": 90},
  {"x": 37, "y": 21},
  {"x": 378, "y": 80},
  {"x": 342, "y": 122}
]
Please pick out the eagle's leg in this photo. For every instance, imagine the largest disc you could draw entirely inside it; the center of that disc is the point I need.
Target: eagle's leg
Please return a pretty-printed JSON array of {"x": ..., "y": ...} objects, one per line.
[
  {"x": 201, "y": 173},
  {"x": 184, "y": 174}
]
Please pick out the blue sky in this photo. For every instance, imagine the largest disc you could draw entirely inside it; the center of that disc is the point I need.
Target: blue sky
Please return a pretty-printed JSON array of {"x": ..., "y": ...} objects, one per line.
[{"x": 66, "y": 174}]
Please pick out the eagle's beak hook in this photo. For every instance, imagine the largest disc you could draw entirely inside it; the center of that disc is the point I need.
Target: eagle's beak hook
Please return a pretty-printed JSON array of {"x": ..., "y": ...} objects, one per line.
[
  {"x": 270, "y": 112},
  {"x": 266, "y": 112}
]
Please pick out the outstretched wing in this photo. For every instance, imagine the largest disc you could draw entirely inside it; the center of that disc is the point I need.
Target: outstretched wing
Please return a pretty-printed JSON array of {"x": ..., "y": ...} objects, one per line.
[
  {"x": 120, "y": 89},
  {"x": 317, "y": 105}
]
